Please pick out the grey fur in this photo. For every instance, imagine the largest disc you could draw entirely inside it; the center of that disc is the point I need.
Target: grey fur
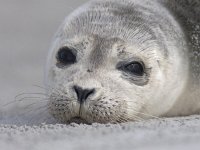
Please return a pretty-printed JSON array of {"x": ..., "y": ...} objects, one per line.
[
  {"x": 187, "y": 13},
  {"x": 164, "y": 34}
]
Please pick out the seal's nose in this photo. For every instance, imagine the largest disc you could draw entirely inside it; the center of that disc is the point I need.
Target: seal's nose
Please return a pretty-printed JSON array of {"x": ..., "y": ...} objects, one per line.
[{"x": 83, "y": 94}]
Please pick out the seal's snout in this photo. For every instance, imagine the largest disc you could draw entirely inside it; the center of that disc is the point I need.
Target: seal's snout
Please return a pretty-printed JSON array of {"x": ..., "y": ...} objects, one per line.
[{"x": 83, "y": 94}]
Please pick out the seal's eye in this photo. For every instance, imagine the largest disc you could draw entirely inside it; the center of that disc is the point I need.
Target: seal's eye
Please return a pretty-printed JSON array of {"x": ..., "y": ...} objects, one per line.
[
  {"x": 135, "y": 68},
  {"x": 66, "y": 56}
]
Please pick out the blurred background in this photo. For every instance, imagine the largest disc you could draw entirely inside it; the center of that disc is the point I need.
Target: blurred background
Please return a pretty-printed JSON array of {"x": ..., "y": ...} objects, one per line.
[{"x": 26, "y": 31}]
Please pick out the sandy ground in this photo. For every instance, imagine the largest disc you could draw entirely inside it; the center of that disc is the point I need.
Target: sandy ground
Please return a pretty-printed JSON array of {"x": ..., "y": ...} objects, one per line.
[
  {"x": 164, "y": 134},
  {"x": 26, "y": 30}
]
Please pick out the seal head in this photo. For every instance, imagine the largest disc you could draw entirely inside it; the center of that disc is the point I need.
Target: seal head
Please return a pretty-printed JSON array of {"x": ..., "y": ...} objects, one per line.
[{"x": 116, "y": 61}]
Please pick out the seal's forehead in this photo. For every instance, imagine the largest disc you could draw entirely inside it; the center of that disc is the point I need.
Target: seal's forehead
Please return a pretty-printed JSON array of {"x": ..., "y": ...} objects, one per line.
[
  {"x": 111, "y": 19},
  {"x": 108, "y": 18}
]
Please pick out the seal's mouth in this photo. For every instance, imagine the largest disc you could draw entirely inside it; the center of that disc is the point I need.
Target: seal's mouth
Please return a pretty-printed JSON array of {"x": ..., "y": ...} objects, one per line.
[{"x": 78, "y": 120}]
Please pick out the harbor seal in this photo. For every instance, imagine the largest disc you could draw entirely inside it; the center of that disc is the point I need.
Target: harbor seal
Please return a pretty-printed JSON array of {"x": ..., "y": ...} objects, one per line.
[{"x": 125, "y": 60}]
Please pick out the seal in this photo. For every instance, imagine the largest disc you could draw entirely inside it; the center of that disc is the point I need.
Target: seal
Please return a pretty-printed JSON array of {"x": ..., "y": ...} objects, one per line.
[{"x": 115, "y": 61}]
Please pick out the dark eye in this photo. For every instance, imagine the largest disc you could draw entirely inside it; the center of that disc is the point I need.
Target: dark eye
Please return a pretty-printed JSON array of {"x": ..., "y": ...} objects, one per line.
[
  {"x": 66, "y": 56},
  {"x": 135, "y": 68}
]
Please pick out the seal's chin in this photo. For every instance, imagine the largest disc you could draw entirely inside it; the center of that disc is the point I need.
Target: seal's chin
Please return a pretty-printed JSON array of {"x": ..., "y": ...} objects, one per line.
[{"x": 78, "y": 120}]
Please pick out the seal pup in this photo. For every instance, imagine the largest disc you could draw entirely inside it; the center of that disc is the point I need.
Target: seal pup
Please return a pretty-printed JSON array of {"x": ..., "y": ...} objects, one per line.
[{"x": 126, "y": 60}]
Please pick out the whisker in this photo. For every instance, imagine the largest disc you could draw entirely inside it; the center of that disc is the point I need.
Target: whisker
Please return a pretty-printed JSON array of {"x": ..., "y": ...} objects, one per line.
[
  {"x": 24, "y": 99},
  {"x": 145, "y": 114},
  {"x": 40, "y": 113},
  {"x": 22, "y": 116},
  {"x": 31, "y": 99},
  {"x": 155, "y": 117},
  {"x": 39, "y": 108},
  {"x": 132, "y": 117},
  {"x": 51, "y": 118},
  {"x": 38, "y": 86},
  {"x": 21, "y": 94},
  {"x": 4, "y": 105},
  {"x": 49, "y": 87},
  {"x": 26, "y": 107}
]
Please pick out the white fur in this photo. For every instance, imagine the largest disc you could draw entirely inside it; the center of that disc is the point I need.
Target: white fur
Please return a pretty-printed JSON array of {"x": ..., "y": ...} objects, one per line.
[{"x": 117, "y": 99}]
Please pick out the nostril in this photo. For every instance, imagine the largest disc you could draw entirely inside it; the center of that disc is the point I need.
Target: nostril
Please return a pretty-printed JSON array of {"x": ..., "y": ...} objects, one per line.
[
  {"x": 83, "y": 94},
  {"x": 87, "y": 93},
  {"x": 78, "y": 91}
]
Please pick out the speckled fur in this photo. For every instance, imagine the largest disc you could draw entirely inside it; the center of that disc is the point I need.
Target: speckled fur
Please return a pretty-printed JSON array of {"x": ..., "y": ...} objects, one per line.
[
  {"x": 164, "y": 34},
  {"x": 187, "y": 14}
]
